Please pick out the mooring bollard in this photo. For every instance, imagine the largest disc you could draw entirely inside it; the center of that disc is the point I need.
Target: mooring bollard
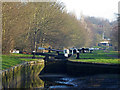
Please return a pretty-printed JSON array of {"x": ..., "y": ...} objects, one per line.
[{"x": 77, "y": 55}]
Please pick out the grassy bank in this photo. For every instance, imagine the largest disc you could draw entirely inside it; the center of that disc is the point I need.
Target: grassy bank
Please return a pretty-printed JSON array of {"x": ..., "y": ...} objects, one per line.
[
  {"x": 24, "y": 55},
  {"x": 105, "y": 61},
  {"x": 98, "y": 57},
  {"x": 95, "y": 57},
  {"x": 12, "y": 60}
]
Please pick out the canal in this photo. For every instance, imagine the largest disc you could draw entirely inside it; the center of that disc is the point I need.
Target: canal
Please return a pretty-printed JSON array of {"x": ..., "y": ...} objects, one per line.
[{"x": 55, "y": 75}]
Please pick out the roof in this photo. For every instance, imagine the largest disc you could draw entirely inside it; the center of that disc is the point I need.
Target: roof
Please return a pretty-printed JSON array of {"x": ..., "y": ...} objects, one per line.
[{"x": 104, "y": 42}]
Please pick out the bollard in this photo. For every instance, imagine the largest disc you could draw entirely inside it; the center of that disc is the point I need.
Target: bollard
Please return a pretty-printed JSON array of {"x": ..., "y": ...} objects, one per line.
[{"x": 77, "y": 55}]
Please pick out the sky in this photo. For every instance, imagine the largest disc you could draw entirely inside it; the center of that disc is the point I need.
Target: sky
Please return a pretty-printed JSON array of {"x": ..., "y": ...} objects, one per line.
[{"x": 98, "y": 8}]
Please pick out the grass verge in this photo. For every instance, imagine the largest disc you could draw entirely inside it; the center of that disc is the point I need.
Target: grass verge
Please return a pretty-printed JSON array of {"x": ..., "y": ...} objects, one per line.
[
  {"x": 12, "y": 60},
  {"x": 105, "y": 61},
  {"x": 106, "y": 57}
]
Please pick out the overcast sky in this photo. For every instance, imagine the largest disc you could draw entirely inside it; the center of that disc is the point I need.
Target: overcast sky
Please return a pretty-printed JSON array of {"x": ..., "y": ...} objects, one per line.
[{"x": 97, "y": 8}]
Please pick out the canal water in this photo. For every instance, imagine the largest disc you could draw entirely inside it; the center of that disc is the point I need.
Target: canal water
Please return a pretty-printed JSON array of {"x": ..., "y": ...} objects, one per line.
[{"x": 29, "y": 76}]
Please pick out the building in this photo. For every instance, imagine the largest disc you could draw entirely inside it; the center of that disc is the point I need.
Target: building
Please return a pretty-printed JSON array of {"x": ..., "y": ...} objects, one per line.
[{"x": 105, "y": 43}]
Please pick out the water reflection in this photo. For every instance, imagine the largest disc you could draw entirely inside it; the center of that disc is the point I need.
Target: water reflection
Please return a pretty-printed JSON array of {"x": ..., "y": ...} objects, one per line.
[
  {"x": 25, "y": 76},
  {"x": 94, "y": 81},
  {"x": 28, "y": 76}
]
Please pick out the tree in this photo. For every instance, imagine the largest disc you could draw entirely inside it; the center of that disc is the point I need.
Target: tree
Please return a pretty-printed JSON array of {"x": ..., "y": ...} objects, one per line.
[{"x": 26, "y": 26}]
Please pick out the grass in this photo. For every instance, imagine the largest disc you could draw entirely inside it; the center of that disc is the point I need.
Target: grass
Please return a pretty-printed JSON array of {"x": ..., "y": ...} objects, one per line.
[
  {"x": 107, "y": 57},
  {"x": 9, "y": 61},
  {"x": 24, "y": 55},
  {"x": 12, "y": 60},
  {"x": 95, "y": 57},
  {"x": 105, "y": 61}
]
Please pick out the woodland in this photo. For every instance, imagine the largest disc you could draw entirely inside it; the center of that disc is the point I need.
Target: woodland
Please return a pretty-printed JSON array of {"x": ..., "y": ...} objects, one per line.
[{"x": 27, "y": 26}]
